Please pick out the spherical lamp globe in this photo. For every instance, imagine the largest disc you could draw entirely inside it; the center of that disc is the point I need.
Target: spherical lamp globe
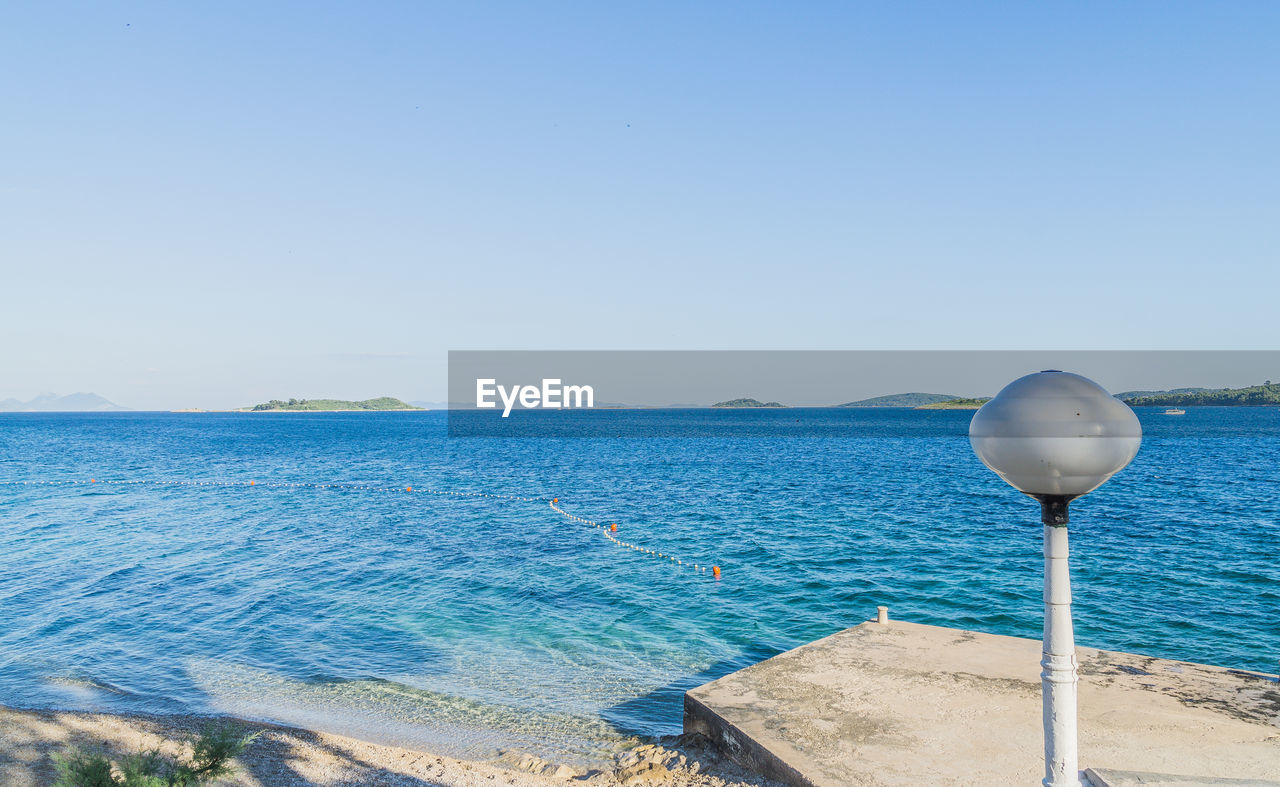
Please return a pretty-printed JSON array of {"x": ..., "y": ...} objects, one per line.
[{"x": 1055, "y": 435}]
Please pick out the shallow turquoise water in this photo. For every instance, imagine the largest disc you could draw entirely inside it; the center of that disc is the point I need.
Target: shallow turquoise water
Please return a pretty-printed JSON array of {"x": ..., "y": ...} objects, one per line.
[{"x": 471, "y": 624}]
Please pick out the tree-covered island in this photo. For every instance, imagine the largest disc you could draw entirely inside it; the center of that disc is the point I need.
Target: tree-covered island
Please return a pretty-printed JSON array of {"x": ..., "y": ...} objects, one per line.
[
  {"x": 1254, "y": 396},
  {"x": 747, "y": 403},
  {"x": 956, "y": 404},
  {"x": 323, "y": 405},
  {"x": 913, "y": 399}
]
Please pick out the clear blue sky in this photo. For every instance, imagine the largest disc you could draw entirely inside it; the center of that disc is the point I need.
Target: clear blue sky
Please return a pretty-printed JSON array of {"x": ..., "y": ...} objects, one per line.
[{"x": 212, "y": 204}]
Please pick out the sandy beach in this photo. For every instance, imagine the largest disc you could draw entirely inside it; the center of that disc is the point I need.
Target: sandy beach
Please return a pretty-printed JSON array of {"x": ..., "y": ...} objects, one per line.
[{"x": 291, "y": 756}]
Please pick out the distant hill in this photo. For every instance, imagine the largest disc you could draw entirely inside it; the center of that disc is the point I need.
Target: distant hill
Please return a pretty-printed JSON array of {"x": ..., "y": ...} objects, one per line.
[
  {"x": 1254, "y": 396},
  {"x": 317, "y": 405},
  {"x": 901, "y": 400},
  {"x": 956, "y": 404},
  {"x": 52, "y": 403},
  {"x": 747, "y": 403}
]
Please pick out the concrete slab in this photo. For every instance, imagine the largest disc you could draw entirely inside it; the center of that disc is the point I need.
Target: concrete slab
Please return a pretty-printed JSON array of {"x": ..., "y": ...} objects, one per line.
[
  {"x": 908, "y": 704},
  {"x": 1106, "y": 777}
]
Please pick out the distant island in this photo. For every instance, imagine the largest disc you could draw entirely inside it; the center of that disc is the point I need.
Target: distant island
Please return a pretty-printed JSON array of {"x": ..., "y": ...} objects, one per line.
[
  {"x": 747, "y": 403},
  {"x": 914, "y": 399},
  {"x": 1254, "y": 396},
  {"x": 956, "y": 404},
  {"x": 318, "y": 405}
]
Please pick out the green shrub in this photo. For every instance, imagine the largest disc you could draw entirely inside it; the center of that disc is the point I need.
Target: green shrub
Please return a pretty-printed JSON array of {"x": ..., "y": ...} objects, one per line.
[{"x": 211, "y": 754}]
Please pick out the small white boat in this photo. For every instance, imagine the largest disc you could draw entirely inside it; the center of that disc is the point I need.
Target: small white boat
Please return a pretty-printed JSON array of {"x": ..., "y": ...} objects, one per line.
[{"x": 1175, "y": 411}]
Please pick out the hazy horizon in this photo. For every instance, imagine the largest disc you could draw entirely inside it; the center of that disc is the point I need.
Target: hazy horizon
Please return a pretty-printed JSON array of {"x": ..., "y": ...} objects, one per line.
[{"x": 802, "y": 378}]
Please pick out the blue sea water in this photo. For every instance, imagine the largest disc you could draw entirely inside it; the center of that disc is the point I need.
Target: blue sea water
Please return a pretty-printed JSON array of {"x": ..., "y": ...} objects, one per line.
[{"x": 470, "y": 624}]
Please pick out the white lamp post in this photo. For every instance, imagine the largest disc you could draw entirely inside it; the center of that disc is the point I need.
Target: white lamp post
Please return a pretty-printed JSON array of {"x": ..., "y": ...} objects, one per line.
[{"x": 1056, "y": 436}]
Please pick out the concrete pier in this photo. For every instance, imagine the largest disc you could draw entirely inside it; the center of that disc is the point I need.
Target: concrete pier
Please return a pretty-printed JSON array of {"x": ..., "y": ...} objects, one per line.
[{"x": 906, "y": 704}]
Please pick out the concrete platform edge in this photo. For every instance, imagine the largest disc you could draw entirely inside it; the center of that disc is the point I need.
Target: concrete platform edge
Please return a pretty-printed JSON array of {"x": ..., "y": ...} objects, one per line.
[{"x": 738, "y": 746}]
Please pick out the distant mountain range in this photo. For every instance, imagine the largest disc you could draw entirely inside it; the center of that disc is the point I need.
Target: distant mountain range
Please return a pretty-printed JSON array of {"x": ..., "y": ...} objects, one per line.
[{"x": 51, "y": 403}]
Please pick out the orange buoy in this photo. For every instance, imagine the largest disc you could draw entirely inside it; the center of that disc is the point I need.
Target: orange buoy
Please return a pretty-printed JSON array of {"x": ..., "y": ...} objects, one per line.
[
  {"x": 408, "y": 489},
  {"x": 93, "y": 480},
  {"x": 715, "y": 571},
  {"x": 555, "y": 500},
  {"x": 613, "y": 528},
  {"x": 251, "y": 483}
]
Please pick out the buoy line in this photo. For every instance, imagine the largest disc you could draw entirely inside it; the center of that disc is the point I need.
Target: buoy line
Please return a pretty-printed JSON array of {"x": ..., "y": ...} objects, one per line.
[{"x": 607, "y": 531}]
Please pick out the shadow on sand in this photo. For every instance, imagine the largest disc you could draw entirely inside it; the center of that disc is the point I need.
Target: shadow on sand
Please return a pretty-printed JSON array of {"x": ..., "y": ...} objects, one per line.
[{"x": 30, "y": 741}]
